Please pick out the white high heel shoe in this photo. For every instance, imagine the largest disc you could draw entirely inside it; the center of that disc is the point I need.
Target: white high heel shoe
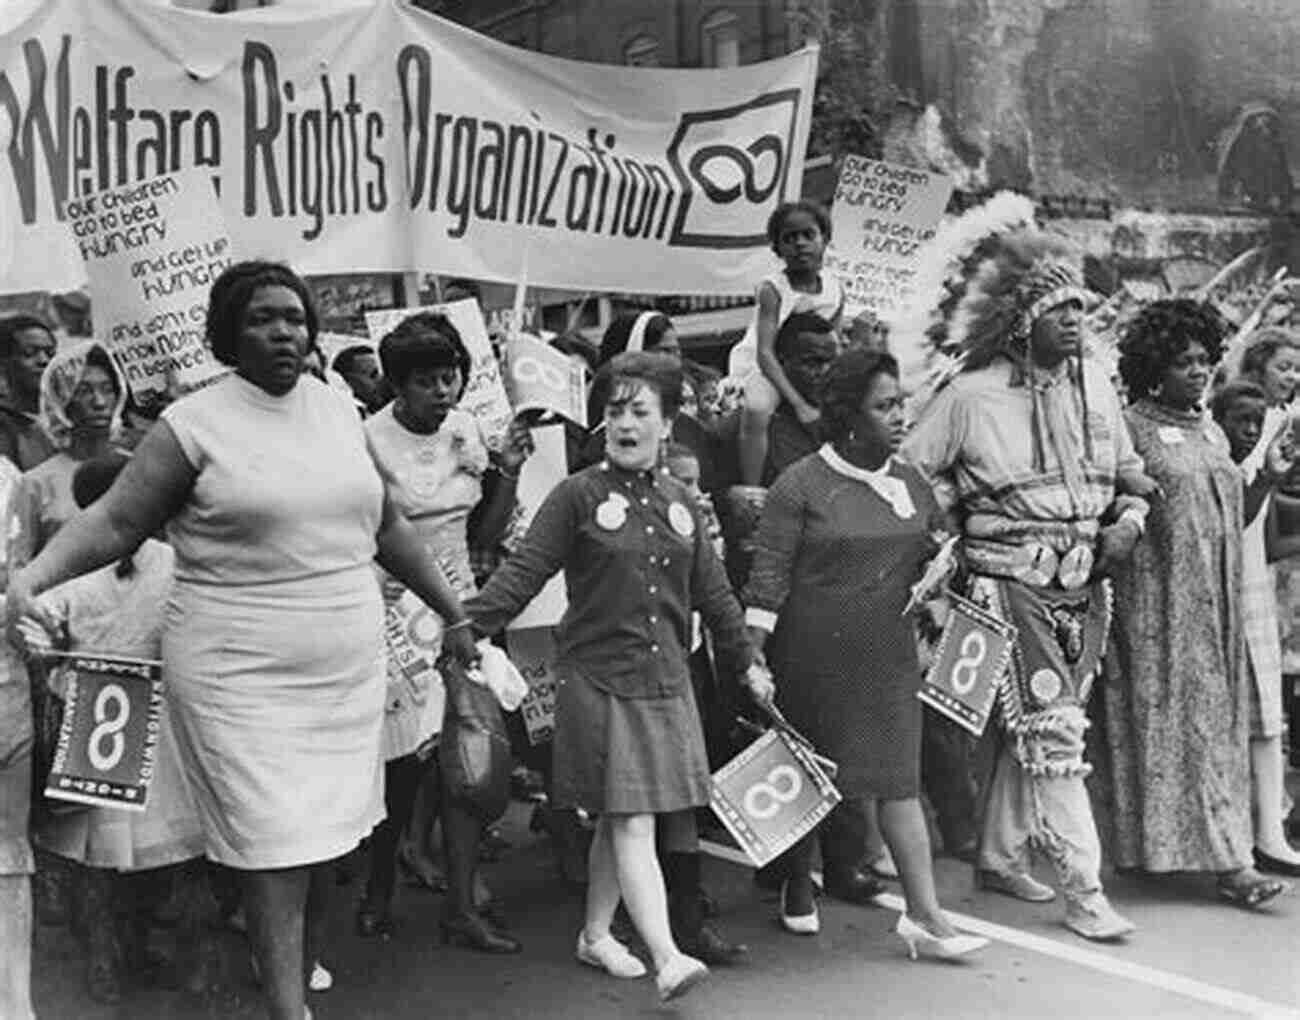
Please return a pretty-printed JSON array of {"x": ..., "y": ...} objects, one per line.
[
  {"x": 803, "y": 924},
  {"x": 918, "y": 940}
]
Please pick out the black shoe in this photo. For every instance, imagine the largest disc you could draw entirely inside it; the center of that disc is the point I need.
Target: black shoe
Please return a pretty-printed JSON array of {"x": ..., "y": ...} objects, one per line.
[
  {"x": 855, "y": 887},
  {"x": 714, "y": 950},
  {"x": 1271, "y": 865},
  {"x": 473, "y": 932}
]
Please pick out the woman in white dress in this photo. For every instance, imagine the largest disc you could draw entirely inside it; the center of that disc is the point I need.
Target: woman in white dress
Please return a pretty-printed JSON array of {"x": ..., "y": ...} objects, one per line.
[{"x": 273, "y": 633}]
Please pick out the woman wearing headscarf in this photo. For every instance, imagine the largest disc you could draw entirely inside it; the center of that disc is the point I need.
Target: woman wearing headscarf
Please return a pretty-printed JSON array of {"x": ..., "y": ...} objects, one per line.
[
  {"x": 81, "y": 398},
  {"x": 81, "y": 401},
  {"x": 273, "y": 637},
  {"x": 1177, "y": 704}
]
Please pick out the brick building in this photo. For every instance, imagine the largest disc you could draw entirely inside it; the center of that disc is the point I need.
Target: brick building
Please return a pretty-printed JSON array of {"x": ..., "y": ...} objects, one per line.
[{"x": 660, "y": 33}]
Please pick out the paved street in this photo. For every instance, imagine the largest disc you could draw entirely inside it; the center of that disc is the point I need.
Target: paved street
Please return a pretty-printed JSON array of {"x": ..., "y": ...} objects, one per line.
[{"x": 1193, "y": 958}]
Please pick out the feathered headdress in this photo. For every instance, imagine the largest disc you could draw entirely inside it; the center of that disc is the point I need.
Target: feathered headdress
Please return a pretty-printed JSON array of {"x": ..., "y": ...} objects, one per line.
[
  {"x": 920, "y": 339},
  {"x": 1022, "y": 274}
]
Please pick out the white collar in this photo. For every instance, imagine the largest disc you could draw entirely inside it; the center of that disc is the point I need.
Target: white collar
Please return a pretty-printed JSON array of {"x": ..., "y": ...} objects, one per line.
[{"x": 883, "y": 482}]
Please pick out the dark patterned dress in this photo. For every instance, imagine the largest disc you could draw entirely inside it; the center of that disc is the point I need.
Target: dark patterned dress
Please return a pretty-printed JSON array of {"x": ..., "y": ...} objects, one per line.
[
  {"x": 836, "y": 563},
  {"x": 1177, "y": 707}
]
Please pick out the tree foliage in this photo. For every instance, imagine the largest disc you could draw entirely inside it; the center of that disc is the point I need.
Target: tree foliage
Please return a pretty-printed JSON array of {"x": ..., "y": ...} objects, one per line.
[{"x": 855, "y": 95}]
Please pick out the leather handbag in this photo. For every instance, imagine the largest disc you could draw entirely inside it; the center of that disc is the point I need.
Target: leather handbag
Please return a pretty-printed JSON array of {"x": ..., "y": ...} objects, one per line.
[{"x": 474, "y": 750}]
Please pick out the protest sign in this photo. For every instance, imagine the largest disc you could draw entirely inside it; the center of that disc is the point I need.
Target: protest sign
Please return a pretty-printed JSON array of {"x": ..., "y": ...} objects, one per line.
[
  {"x": 415, "y": 695},
  {"x": 542, "y": 472},
  {"x": 538, "y": 377},
  {"x": 396, "y": 142},
  {"x": 883, "y": 216},
  {"x": 968, "y": 665},
  {"x": 533, "y": 653},
  {"x": 485, "y": 392},
  {"x": 152, "y": 251},
  {"x": 108, "y": 743},
  {"x": 771, "y": 795}
]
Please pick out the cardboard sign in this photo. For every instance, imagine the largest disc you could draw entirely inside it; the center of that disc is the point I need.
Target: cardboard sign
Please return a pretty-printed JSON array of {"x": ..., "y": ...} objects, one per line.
[
  {"x": 533, "y": 653},
  {"x": 152, "y": 252},
  {"x": 771, "y": 795},
  {"x": 485, "y": 392},
  {"x": 968, "y": 665},
  {"x": 108, "y": 743},
  {"x": 883, "y": 217},
  {"x": 538, "y": 377},
  {"x": 415, "y": 696},
  {"x": 542, "y": 472}
]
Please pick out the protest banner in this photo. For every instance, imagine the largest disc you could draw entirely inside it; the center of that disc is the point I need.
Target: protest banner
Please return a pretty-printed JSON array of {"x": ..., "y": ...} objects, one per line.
[
  {"x": 973, "y": 654},
  {"x": 883, "y": 216},
  {"x": 542, "y": 471},
  {"x": 415, "y": 695},
  {"x": 771, "y": 795},
  {"x": 150, "y": 293},
  {"x": 395, "y": 142},
  {"x": 108, "y": 742},
  {"x": 485, "y": 392},
  {"x": 533, "y": 653},
  {"x": 540, "y": 378}
]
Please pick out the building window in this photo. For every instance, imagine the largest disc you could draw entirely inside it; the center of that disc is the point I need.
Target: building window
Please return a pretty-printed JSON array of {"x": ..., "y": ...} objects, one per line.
[
  {"x": 642, "y": 51},
  {"x": 720, "y": 40}
]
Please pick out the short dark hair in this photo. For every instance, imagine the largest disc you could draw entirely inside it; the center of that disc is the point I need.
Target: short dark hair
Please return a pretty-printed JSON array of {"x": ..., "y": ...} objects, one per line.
[
  {"x": 423, "y": 342},
  {"x": 619, "y": 332},
  {"x": 231, "y": 294},
  {"x": 1229, "y": 393},
  {"x": 346, "y": 359},
  {"x": 12, "y": 325},
  {"x": 847, "y": 382},
  {"x": 799, "y": 322},
  {"x": 625, "y": 373},
  {"x": 1260, "y": 347},
  {"x": 776, "y": 222},
  {"x": 679, "y": 451},
  {"x": 1159, "y": 333},
  {"x": 576, "y": 345},
  {"x": 469, "y": 286}
]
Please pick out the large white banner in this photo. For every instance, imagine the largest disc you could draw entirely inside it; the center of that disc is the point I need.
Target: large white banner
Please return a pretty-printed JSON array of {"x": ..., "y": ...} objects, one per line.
[{"x": 379, "y": 138}]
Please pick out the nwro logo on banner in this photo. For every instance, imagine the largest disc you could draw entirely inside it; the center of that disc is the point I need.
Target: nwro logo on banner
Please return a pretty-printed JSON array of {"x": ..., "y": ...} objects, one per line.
[
  {"x": 732, "y": 165},
  {"x": 109, "y": 740},
  {"x": 972, "y": 656},
  {"x": 771, "y": 795}
]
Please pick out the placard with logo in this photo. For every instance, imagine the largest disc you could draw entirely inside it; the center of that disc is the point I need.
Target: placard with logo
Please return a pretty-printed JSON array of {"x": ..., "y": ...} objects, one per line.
[
  {"x": 416, "y": 695},
  {"x": 108, "y": 744},
  {"x": 771, "y": 795},
  {"x": 973, "y": 653},
  {"x": 533, "y": 653},
  {"x": 540, "y": 378}
]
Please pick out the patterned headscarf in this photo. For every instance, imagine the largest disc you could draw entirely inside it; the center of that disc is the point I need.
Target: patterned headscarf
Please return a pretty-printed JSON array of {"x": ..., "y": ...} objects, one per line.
[{"x": 59, "y": 382}]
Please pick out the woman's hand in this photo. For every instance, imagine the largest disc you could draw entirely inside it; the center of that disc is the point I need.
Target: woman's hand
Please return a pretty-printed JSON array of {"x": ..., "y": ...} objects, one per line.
[
  {"x": 516, "y": 446},
  {"x": 23, "y": 611},
  {"x": 758, "y": 680},
  {"x": 458, "y": 642},
  {"x": 1280, "y": 457}
]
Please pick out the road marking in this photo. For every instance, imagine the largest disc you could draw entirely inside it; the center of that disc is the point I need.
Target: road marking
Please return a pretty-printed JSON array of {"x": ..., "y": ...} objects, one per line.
[{"x": 1213, "y": 995}]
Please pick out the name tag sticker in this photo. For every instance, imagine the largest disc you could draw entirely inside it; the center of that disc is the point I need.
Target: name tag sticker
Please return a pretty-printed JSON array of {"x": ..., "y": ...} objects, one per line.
[{"x": 1171, "y": 435}]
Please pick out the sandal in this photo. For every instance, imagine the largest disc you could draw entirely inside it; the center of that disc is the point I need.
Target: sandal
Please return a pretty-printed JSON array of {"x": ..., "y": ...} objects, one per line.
[{"x": 1248, "y": 888}]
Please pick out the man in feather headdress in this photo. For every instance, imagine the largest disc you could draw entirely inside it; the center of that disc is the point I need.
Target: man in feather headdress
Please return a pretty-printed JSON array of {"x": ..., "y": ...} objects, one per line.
[{"x": 1028, "y": 452}]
